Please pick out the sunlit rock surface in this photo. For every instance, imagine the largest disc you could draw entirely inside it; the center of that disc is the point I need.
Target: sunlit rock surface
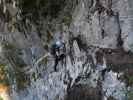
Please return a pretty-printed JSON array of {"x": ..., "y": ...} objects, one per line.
[{"x": 4, "y": 92}]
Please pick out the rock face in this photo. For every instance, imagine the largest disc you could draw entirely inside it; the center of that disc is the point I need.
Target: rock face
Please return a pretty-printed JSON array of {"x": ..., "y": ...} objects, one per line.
[
  {"x": 102, "y": 24},
  {"x": 98, "y": 39}
]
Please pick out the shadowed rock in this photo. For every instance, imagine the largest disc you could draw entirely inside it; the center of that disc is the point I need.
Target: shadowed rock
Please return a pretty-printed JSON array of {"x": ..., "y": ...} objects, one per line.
[{"x": 83, "y": 92}]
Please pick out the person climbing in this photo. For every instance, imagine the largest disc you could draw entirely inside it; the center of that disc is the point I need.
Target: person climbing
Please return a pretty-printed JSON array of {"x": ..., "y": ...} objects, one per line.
[{"x": 58, "y": 51}]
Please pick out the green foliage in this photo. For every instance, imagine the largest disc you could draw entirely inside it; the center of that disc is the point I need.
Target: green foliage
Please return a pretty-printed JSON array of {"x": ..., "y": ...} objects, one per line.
[
  {"x": 37, "y": 8},
  {"x": 12, "y": 52},
  {"x": 130, "y": 80},
  {"x": 3, "y": 75},
  {"x": 21, "y": 80},
  {"x": 129, "y": 77},
  {"x": 67, "y": 19},
  {"x": 13, "y": 55},
  {"x": 1, "y": 98},
  {"x": 129, "y": 95},
  {"x": 111, "y": 98},
  {"x": 6, "y": 75},
  {"x": 36, "y": 75},
  {"x": 7, "y": 46}
]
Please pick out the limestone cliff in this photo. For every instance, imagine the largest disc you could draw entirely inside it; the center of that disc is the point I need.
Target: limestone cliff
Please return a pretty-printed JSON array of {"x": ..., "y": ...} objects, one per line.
[{"x": 99, "y": 49}]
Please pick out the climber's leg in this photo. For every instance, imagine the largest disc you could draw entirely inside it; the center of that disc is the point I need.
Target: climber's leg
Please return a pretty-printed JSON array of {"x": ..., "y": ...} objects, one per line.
[{"x": 55, "y": 64}]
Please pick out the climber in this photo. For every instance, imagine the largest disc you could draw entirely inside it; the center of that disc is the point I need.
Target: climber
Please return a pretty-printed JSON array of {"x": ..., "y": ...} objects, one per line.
[{"x": 58, "y": 51}]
